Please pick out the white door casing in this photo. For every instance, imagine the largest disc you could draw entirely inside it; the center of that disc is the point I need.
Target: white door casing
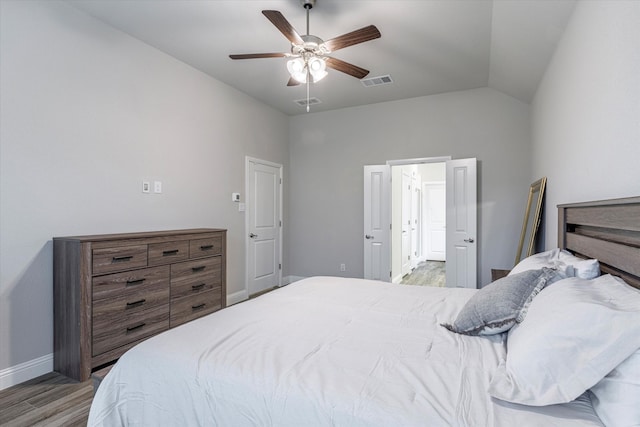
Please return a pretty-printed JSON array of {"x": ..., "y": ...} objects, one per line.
[
  {"x": 377, "y": 220},
  {"x": 435, "y": 220},
  {"x": 263, "y": 225},
  {"x": 461, "y": 223}
]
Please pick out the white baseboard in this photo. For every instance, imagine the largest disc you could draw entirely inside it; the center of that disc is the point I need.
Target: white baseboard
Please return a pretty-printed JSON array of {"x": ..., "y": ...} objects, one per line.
[
  {"x": 397, "y": 279},
  {"x": 25, "y": 371},
  {"x": 290, "y": 279},
  {"x": 237, "y": 297}
]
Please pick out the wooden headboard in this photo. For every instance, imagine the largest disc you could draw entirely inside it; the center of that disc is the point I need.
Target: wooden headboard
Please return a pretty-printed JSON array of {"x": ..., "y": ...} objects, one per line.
[{"x": 608, "y": 230}]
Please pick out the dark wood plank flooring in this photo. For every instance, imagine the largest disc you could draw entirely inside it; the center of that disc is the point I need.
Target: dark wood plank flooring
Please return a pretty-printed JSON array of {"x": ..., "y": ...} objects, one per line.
[{"x": 49, "y": 400}]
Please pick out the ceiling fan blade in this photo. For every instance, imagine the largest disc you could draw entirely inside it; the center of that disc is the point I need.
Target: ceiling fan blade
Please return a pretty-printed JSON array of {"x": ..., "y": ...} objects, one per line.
[
  {"x": 292, "y": 82},
  {"x": 258, "y": 55},
  {"x": 283, "y": 25},
  {"x": 345, "y": 67},
  {"x": 358, "y": 36}
]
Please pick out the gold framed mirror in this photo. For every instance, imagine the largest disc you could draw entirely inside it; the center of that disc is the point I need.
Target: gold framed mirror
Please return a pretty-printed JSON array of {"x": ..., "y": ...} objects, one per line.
[{"x": 532, "y": 217}]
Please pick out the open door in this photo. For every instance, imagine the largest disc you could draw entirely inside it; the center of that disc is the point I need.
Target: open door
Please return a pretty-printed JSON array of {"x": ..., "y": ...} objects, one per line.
[
  {"x": 377, "y": 222},
  {"x": 461, "y": 189}
]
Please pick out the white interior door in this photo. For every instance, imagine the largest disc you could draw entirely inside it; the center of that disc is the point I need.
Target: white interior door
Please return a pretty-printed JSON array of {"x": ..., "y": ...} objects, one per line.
[
  {"x": 435, "y": 214},
  {"x": 263, "y": 206},
  {"x": 377, "y": 222},
  {"x": 461, "y": 196},
  {"x": 415, "y": 222},
  {"x": 406, "y": 223}
]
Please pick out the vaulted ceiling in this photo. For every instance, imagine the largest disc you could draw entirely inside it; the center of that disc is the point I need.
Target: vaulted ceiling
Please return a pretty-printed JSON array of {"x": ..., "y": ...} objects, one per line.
[{"x": 427, "y": 46}]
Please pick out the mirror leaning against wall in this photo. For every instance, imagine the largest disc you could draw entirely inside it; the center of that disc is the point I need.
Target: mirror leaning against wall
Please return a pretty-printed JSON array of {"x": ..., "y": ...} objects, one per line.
[{"x": 531, "y": 222}]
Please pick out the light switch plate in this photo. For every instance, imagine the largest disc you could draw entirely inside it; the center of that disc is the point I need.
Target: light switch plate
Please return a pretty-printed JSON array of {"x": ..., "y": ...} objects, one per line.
[{"x": 146, "y": 187}]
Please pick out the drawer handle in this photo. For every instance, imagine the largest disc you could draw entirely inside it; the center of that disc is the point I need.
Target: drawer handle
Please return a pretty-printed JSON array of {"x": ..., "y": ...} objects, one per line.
[
  {"x": 198, "y": 307},
  {"x": 171, "y": 252},
  {"x": 135, "y": 282},
  {"x": 198, "y": 287},
  {"x": 133, "y": 328},
  {"x": 136, "y": 303},
  {"x": 122, "y": 258},
  {"x": 196, "y": 269},
  {"x": 206, "y": 247}
]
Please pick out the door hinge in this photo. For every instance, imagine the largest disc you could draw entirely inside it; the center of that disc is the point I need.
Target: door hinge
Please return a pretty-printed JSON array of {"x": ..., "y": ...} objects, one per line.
[
  {"x": 280, "y": 223},
  {"x": 389, "y": 275},
  {"x": 279, "y": 266}
]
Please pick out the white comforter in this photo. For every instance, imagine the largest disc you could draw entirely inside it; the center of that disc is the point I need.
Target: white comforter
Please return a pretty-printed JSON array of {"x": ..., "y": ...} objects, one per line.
[{"x": 320, "y": 352}]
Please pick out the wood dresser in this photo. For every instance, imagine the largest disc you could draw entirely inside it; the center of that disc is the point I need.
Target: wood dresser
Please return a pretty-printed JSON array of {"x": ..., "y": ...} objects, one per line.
[{"x": 112, "y": 291}]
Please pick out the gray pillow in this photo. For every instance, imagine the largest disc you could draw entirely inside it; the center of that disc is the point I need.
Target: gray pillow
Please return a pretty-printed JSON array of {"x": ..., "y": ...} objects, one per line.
[{"x": 503, "y": 303}]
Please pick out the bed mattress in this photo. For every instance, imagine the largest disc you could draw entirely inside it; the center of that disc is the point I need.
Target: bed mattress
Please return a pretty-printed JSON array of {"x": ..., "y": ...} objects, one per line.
[{"x": 323, "y": 351}]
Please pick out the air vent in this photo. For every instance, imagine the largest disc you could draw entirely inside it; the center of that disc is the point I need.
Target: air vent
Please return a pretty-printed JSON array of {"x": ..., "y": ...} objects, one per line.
[
  {"x": 377, "y": 81},
  {"x": 303, "y": 102}
]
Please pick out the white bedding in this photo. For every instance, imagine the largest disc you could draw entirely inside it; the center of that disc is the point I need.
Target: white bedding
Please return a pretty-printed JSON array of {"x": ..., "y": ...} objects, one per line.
[{"x": 322, "y": 351}]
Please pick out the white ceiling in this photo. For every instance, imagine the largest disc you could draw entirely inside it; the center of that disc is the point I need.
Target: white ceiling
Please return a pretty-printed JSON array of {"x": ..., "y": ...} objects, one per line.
[{"x": 427, "y": 46}]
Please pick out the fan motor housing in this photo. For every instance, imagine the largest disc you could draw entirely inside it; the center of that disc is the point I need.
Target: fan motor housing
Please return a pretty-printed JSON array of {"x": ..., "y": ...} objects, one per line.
[{"x": 308, "y": 4}]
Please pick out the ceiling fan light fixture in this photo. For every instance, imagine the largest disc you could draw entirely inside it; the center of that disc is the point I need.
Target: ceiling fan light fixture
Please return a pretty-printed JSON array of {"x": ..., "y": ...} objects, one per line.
[
  {"x": 298, "y": 69},
  {"x": 317, "y": 68}
]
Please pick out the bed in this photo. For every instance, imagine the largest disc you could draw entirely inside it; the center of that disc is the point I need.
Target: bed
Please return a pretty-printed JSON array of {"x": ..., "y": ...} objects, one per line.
[{"x": 354, "y": 352}]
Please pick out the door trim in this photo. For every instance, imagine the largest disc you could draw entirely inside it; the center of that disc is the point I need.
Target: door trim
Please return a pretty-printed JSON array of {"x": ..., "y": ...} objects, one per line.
[
  {"x": 401, "y": 162},
  {"x": 247, "y": 227}
]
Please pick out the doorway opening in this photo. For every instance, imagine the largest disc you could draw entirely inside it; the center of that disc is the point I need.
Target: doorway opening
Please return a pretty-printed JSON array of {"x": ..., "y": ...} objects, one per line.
[
  {"x": 461, "y": 220},
  {"x": 418, "y": 218}
]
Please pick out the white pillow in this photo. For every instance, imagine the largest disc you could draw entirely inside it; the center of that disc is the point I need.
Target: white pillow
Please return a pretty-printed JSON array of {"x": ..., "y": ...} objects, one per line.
[
  {"x": 576, "y": 331},
  {"x": 616, "y": 398},
  {"x": 562, "y": 261}
]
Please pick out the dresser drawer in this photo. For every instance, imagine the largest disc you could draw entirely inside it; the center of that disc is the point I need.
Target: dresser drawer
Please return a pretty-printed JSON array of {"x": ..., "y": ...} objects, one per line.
[
  {"x": 194, "y": 306},
  {"x": 205, "y": 247},
  {"x": 118, "y": 258},
  {"x": 130, "y": 283},
  {"x": 185, "y": 281},
  {"x": 109, "y": 335},
  {"x": 118, "y": 307},
  {"x": 165, "y": 253},
  {"x": 194, "y": 269}
]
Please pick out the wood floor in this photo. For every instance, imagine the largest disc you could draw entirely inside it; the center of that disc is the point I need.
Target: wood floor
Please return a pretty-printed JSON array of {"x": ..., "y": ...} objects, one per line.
[
  {"x": 49, "y": 400},
  {"x": 427, "y": 273}
]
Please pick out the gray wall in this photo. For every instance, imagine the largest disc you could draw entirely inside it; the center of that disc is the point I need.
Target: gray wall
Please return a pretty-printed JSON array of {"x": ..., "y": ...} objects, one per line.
[
  {"x": 328, "y": 151},
  {"x": 586, "y": 114},
  {"x": 87, "y": 113}
]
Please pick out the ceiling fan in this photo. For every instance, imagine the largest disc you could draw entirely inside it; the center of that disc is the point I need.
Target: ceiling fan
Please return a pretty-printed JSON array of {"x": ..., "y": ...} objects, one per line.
[{"x": 309, "y": 55}]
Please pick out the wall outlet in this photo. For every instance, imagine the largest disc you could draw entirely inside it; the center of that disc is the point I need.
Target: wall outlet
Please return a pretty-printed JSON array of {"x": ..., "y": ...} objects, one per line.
[
  {"x": 157, "y": 186},
  {"x": 146, "y": 187},
  {"x": 343, "y": 267}
]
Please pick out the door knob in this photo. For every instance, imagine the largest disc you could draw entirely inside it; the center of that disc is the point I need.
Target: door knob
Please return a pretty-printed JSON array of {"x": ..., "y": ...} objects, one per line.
[
  {"x": 469, "y": 240},
  {"x": 368, "y": 236},
  {"x": 253, "y": 236}
]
